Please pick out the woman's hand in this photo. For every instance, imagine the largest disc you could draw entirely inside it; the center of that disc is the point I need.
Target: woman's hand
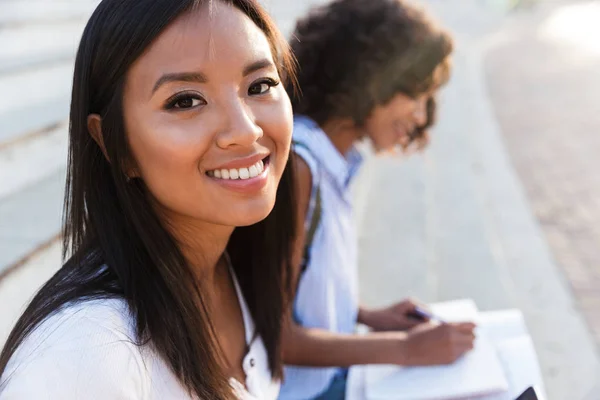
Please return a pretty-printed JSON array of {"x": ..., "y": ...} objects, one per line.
[
  {"x": 398, "y": 317},
  {"x": 430, "y": 344}
]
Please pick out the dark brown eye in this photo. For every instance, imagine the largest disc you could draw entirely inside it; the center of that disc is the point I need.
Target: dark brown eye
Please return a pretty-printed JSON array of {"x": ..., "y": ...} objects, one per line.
[
  {"x": 262, "y": 87},
  {"x": 259, "y": 88},
  {"x": 185, "y": 101}
]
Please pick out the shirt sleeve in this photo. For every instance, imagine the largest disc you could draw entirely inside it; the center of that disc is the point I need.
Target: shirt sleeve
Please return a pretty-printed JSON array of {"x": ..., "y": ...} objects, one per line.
[{"x": 79, "y": 359}]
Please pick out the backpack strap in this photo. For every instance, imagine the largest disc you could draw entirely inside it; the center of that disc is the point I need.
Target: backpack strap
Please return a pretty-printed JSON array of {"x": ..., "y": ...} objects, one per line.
[
  {"x": 312, "y": 229},
  {"x": 315, "y": 218}
]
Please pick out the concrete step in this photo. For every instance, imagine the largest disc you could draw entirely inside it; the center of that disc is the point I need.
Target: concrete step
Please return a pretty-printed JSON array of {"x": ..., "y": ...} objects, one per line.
[
  {"x": 28, "y": 162},
  {"x": 30, "y": 219},
  {"x": 29, "y": 46},
  {"x": 17, "y": 12},
  {"x": 34, "y": 100},
  {"x": 38, "y": 40},
  {"x": 17, "y": 289}
]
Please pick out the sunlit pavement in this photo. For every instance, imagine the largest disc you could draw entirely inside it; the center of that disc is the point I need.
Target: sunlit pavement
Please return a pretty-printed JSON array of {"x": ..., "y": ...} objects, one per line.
[
  {"x": 458, "y": 221},
  {"x": 544, "y": 78}
]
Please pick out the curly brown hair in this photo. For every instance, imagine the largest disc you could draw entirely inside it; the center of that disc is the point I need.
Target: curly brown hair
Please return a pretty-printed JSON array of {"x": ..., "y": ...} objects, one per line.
[{"x": 354, "y": 55}]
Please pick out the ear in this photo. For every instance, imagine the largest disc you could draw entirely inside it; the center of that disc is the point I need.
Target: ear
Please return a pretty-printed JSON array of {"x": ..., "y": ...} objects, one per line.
[
  {"x": 94, "y": 124},
  {"x": 347, "y": 124}
]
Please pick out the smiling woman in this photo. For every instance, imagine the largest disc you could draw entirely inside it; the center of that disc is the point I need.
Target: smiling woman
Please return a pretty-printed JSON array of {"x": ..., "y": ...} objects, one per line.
[{"x": 179, "y": 143}]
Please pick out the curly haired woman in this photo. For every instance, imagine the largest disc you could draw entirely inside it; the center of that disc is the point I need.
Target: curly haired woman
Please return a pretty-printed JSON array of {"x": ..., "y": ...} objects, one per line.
[{"x": 367, "y": 70}]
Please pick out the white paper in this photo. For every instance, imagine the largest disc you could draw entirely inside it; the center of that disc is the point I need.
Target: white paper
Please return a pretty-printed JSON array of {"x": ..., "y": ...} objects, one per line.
[
  {"x": 478, "y": 373},
  {"x": 464, "y": 310},
  {"x": 522, "y": 370},
  {"x": 503, "y": 325}
]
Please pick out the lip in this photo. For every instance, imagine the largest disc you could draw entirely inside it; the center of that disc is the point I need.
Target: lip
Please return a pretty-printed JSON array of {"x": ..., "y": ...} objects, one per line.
[
  {"x": 245, "y": 162},
  {"x": 245, "y": 186},
  {"x": 404, "y": 131}
]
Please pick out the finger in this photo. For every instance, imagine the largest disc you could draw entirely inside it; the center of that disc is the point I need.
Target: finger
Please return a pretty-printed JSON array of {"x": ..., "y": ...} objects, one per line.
[
  {"x": 414, "y": 307},
  {"x": 411, "y": 323},
  {"x": 464, "y": 348},
  {"x": 414, "y": 313},
  {"x": 464, "y": 337},
  {"x": 458, "y": 353},
  {"x": 464, "y": 333},
  {"x": 465, "y": 340},
  {"x": 466, "y": 327},
  {"x": 414, "y": 319},
  {"x": 423, "y": 327},
  {"x": 416, "y": 303},
  {"x": 468, "y": 346}
]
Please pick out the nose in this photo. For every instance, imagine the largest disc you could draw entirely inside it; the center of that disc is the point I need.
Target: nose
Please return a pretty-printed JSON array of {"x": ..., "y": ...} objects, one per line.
[
  {"x": 420, "y": 111},
  {"x": 240, "y": 128}
]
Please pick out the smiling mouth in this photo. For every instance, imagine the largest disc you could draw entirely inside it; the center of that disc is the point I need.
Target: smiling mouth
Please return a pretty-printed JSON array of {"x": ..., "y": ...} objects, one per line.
[{"x": 249, "y": 172}]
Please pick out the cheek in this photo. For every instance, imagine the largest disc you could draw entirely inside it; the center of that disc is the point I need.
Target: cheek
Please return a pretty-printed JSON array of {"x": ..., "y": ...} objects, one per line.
[
  {"x": 381, "y": 132},
  {"x": 166, "y": 151},
  {"x": 276, "y": 121},
  {"x": 159, "y": 143},
  {"x": 386, "y": 127}
]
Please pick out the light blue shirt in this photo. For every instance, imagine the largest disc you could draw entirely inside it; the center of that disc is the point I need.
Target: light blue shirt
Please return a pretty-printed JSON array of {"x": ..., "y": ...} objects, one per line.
[{"x": 327, "y": 295}]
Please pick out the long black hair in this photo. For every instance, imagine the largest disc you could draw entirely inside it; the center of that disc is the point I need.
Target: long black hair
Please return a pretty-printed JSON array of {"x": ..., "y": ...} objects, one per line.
[{"x": 117, "y": 244}]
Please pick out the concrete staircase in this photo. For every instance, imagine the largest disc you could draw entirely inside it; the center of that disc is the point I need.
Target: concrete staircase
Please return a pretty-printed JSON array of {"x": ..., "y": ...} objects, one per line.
[{"x": 38, "y": 41}]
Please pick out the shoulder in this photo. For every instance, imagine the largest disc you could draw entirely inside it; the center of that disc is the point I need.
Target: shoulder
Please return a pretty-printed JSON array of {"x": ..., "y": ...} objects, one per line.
[
  {"x": 303, "y": 173},
  {"x": 86, "y": 348},
  {"x": 304, "y": 186}
]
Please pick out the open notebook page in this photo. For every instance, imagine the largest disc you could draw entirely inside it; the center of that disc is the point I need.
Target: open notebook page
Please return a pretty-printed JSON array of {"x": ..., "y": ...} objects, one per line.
[{"x": 477, "y": 373}]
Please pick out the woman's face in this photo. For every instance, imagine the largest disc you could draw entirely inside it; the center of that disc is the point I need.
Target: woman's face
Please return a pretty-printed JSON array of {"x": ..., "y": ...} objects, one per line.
[
  {"x": 208, "y": 123},
  {"x": 390, "y": 125}
]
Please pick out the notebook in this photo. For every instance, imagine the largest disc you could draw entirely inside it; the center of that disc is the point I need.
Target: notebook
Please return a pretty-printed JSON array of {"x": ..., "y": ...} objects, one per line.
[
  {"x": 521, "y": 368},
  {"x": 478, "y": 373}
]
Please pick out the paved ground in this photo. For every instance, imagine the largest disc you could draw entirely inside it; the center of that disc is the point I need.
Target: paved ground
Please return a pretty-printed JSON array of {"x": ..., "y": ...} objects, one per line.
[
  {"x": 456, "y": 222},
  {"x": 544, "y": 80}
]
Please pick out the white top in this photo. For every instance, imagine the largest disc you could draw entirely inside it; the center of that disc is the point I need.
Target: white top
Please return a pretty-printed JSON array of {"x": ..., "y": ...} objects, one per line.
[
  {"x": 327, "y": 295},
  {"x": 86, "y": 351}
]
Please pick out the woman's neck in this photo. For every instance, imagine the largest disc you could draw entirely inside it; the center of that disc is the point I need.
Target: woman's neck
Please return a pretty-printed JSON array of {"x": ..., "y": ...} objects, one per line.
[
  {"x": 343, "y": 133},
  {"x": 202, "y": 245}
]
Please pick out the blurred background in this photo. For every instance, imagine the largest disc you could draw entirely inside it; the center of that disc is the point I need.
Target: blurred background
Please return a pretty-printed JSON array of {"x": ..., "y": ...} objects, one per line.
[{"x": 504, "y": 207}]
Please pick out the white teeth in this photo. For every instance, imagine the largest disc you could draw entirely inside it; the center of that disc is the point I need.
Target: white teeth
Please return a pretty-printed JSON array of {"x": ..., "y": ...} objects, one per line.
[
  {"x": 241, "y": 173},
  {"x": 253, "y": 171}
]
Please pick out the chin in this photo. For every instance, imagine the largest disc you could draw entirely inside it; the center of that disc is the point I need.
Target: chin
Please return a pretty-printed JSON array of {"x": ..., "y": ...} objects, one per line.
[{"x": 251, "y": 214}]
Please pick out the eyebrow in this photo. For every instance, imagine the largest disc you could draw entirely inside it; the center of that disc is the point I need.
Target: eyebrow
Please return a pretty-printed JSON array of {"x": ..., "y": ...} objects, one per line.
[
  {"x": 257, "y": 65},
  {"x": 199, "y": 77}
]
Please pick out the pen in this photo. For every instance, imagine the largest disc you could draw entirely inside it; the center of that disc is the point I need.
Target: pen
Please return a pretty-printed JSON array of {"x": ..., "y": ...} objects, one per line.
[{"x": 423, "y": 314}]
